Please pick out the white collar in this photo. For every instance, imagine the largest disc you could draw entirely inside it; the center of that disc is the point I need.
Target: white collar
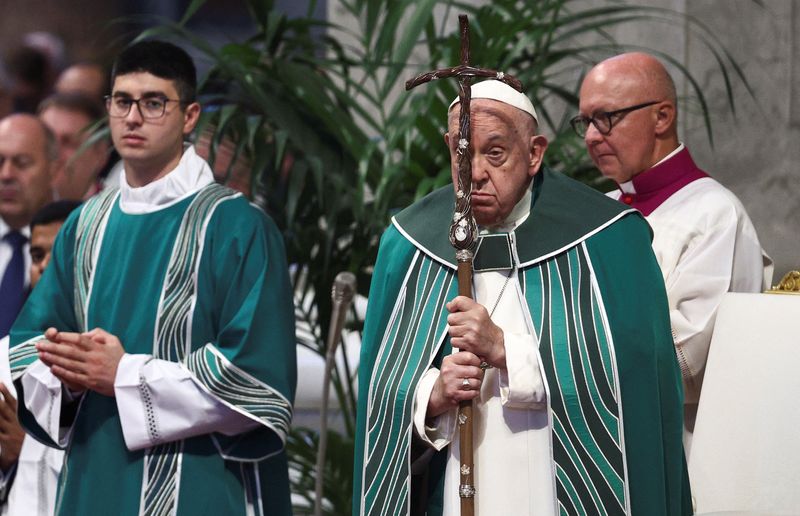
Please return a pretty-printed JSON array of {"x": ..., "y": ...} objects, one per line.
[
  {"x": 517, "y": 216},
  {"x": 5, "y": 229},
  {"x": 191, "y": 175}
]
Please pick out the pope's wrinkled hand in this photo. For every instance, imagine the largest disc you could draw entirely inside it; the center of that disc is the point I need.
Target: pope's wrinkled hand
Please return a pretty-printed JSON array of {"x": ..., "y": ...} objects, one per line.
[
  {"x": 472, "y": 330},
  {"x": 82, "y": 360},
  {"x": 460, "y": 379}
]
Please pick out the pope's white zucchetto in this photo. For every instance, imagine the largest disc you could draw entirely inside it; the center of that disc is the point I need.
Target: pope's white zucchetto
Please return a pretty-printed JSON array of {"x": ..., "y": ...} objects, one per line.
[{"x": 501, "y": 92}]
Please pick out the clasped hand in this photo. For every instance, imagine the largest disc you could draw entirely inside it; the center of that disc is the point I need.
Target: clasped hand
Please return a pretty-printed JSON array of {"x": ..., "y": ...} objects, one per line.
[
  {"x": 11, "y": 433},
  {"x": 82, "y": 360},
  {"x": 478, "y": 340}
]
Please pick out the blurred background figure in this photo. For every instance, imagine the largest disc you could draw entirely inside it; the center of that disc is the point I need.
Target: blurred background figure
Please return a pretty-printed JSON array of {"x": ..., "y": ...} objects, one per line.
[
  {"x": 28, "y": 469},
  {"x": 6, "y": 102},
  {"x": 44, "y": 228},
  {"x": 51, "y": 46},
  {"x": 230, "y": 169},
  {"x": 87, "y": 78},
  {"x": 33, "y": 67},
  {"x": 28, "y": 158},
  {"x": 70, "y": 116}
]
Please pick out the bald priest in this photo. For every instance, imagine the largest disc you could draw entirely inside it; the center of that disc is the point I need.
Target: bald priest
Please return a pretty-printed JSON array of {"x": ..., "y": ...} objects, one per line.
[{"x": 566, "y": 349}]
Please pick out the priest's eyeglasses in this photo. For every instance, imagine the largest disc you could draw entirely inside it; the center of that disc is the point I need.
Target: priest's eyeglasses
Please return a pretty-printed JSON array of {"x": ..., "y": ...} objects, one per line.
[
  {"x": 604, "y": 121},
  {"x": 149, "y": 107}
]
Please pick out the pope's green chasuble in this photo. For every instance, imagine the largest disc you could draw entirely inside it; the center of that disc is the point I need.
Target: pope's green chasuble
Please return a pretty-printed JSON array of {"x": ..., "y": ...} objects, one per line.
[
  {"x": 595, "y": 302},
  {"x": 201, "y": 282}
]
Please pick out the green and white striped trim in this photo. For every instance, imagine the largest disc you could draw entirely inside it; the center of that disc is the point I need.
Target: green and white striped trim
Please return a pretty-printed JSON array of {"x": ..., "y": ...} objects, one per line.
[
  {"x": 173, "y": 338},
  {"x": 239, "y": 390},
  {"x": 160, "y": 485},
  {"x": 23, "y": 355},
  {"x": 413, "y": 336},
  {"x": 254, "y": 504},
  {"x": 576, "y": 349},
  {"x": 173, "y": 330},
  {"x": 88, "y": 238},
  {"x": 577, "y": 355}
]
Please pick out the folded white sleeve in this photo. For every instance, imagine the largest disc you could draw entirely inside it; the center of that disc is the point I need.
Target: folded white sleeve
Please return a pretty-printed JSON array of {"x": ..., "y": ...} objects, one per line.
[
  {"x": 521, "y": 384},
  {"x": 436, "y": 432},
  {"x": 160, "y": 401},
  {"x": 42, "y": 392}
]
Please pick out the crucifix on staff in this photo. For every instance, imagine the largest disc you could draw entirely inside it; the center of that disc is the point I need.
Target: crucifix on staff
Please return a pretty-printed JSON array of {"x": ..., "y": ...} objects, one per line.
[
  {"x": 463, "y": 229},
  {"x": 534, "y": 365}
]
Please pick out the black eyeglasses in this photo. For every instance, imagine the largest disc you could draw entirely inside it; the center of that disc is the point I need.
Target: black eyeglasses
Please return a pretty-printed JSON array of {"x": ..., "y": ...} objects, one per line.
[
  {"x": 605, "y": 120},
  {"x": 149, "y": 107}
]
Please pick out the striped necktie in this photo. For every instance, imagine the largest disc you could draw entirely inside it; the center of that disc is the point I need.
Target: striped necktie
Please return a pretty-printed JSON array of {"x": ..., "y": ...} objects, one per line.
[{"x": 12, "y": 286}]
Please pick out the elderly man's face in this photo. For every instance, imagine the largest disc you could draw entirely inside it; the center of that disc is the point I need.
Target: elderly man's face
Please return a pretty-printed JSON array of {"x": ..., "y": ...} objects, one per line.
[
  {"x": 506, "y": 154},
  {"x": 628, "y": 149},
  {"x": 25, "y": 170}
]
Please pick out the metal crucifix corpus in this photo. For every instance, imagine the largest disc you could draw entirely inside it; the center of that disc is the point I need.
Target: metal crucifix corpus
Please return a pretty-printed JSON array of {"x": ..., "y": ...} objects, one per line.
[{"x": 463, "y": 229}]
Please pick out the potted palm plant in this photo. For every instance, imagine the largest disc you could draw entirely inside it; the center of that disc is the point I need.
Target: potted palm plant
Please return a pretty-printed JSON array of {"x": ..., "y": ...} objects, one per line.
[{"x": 334, "y": 147}]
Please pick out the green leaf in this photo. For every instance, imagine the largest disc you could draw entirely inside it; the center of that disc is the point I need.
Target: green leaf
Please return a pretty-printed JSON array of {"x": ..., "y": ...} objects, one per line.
[
  {"x": 193, "y": 7},
  {"x": 415, "y": 24},
  {"x": 336, "y": 146}
]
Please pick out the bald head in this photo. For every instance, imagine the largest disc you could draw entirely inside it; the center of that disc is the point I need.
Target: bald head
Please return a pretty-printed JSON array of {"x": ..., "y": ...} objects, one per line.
[
  {"x": 32, "y": 130},
  {"x": 635, "y": 70},
  {"x": 631, "y": 140},
  {"x": 27, "y": 154},
  {"x": 85, "y": 78}
]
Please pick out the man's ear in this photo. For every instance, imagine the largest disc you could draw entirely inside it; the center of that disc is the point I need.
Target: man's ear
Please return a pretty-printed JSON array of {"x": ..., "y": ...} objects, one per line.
[
  {"x": 190, "y": 117},
  {"x": 447, "y": 140},
  {"x": 665, "y": 117},
  {"x": 537, "y": 148}
]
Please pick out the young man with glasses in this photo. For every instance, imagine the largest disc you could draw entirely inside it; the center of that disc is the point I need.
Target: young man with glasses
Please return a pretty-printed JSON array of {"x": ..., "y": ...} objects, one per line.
[
  {"x": 703, "y": 239},
  {"x": 158, "y": 348}
]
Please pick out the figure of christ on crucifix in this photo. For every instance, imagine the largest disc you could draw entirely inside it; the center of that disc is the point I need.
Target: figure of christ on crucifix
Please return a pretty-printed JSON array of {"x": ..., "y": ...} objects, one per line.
[
  {"x": 567, "y": 315},
  {"x": 462, "y": 236}
]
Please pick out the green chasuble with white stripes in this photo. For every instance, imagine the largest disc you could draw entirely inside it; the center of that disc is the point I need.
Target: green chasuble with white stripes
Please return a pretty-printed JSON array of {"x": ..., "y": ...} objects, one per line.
[
  {"x": 202, "y": 282},
  {"x": 595, "y": 301}
]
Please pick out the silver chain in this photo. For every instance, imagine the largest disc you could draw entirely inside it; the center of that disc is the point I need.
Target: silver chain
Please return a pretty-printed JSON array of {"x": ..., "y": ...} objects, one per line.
[{"x": 500, "y": 295}]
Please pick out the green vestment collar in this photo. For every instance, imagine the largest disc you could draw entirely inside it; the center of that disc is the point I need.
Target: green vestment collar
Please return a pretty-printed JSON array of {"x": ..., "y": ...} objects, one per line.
[{"x": 563, "y": 213}]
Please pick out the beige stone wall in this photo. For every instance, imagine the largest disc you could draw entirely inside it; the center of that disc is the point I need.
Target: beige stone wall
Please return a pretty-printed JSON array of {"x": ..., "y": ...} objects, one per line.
[{"x": 756, "y": 151}]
